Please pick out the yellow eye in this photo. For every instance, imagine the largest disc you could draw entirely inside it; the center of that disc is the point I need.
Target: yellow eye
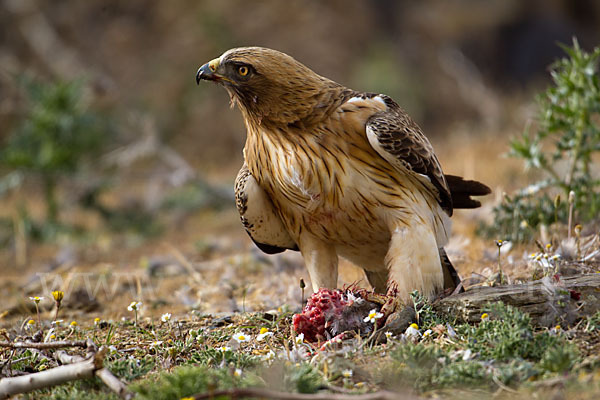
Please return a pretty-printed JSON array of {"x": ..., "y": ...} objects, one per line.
[{"x": 243, "y": 70}]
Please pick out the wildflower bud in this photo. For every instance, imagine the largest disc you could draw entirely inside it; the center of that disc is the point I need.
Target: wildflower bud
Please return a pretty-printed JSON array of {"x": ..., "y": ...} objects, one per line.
[
  {"x": 499, "y": 242},
  {"x": 557, "y": 201},
  {"x": 571, "y": 197},
  {"x": 578, "y": 229},
  {"x": 58, "y": 295},
  {"x": 302, "y": 284}
]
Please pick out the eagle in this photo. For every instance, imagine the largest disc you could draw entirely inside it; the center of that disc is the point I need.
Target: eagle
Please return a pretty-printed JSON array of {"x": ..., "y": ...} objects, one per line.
[{"x": 334, "y": 172}]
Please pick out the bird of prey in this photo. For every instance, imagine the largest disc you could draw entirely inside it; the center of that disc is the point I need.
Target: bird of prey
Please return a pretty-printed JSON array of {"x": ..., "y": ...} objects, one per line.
[{"x": 331, "y": 172}]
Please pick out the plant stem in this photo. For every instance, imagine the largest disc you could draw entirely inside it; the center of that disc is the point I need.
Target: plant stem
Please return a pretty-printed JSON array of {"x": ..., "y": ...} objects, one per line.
[
  {"x": 576, "y": 149},
  {"x": 50, "y": 194}
]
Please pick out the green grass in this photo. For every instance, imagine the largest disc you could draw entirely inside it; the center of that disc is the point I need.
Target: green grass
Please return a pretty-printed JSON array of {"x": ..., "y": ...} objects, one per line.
[{"x": 180, "y": 359}]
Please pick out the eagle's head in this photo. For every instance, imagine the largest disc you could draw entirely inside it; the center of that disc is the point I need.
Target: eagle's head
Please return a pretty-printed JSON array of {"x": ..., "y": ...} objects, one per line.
[{"x": 269, "y": 86}]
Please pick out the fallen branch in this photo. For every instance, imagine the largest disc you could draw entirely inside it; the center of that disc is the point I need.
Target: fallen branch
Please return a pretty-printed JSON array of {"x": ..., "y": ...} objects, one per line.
[
  {"x": 547, "y": 301},
  {"x": 104, "y": 374},
  {"x": 44, "y": 346},
  {"x": 74, "y": 367},
  {"x": 272, "y": 394},
  {"x": 52, "y": 377}
]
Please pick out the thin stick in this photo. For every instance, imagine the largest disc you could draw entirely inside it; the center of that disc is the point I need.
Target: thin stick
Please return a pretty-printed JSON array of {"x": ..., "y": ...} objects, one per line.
[
  {"x": 51, "y": 377},
  {"x": 44, "y": 346},
  {"x": 272, "y": 394},
  {"x": 104, "y": 374}
]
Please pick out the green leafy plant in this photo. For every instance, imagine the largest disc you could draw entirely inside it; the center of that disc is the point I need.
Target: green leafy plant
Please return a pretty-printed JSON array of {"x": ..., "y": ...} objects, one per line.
[
  {"x": 503, "y": 347},
  {"x": 57, "y": 134},
  {"x": 560, "y": 152}
]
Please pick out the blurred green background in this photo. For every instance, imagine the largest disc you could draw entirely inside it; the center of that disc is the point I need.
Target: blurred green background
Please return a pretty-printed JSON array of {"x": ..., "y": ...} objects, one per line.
[{"x": 103, "y": 124}]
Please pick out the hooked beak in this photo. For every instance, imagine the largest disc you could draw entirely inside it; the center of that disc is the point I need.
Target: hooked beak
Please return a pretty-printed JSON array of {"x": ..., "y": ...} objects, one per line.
[{"x": 208, "y": 71}]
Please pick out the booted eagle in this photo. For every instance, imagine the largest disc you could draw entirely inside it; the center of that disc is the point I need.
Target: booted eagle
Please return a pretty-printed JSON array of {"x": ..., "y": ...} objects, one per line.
[{"x": 334, "y": 172}]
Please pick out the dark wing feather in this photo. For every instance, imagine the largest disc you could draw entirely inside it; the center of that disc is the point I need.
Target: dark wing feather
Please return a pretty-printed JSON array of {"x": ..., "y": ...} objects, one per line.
[
  {"x": 462, "y": 190},
  {"x": 401, "y": 141}
]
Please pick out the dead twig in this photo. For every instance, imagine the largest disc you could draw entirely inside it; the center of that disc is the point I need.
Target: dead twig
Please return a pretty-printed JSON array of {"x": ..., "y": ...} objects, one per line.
[
  {"x": 104, "y": 374},
  {"x": 272, "y": 394},
  {"x": 51, "y": 377},
  {"x": 44, "y": 346},
  {"x": 74, "y": 367}
]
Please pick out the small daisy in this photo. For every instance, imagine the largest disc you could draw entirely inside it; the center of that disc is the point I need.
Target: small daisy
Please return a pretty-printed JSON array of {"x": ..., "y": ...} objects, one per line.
[
  {"x": 373, "y": 316},
  {"x": 57, "y": 322},
  {"x": 299, "y": 339},
  {"x": 241, "y": 337},
  {"x": 96, "y": 321},
  {"x": 485, "y": 316},
  {"x": 73, "y": 324},
  {"x": 264, "y": 333},
  {"x": 156, "y": 343},
  {"x": 224, "y": 349},
  {"x": 389, "y": 335},
  {"x": 135, "y": 306},
  {"x": 413, "y": 331},
  {"x": 237, "y": 373},
  {"x": 166, "y": 317},
  {"x": 347, "y": 373},
  {"x": 270, "y": 356},
  {"x": 30, "y": 323},
  {"x": 427, "y": 333}
]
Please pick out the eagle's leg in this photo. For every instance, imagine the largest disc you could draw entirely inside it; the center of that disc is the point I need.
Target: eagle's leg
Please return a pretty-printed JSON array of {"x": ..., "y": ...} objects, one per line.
[
  {"x": 413, "y": 261},
  {"x": 321, "y": 261},
  {"x": 378, "y": 280}
]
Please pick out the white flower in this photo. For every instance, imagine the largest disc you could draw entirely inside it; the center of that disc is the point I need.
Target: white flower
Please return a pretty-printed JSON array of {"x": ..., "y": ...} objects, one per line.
[
  {"x": 347, "y": 373},
  {"x": 373, "y": 316},
  {"x": 112, "y": 349},
  {"x": 269, "y": 356},
  {"x": 241, "y": 337},
  {"x": 237, "y": 373},
  {"x": 224, "y": 349},
  {"x": 57, "y": 322},
  {"x": 299, "y": 339},
  {"x": 427, "y": 333},
  {"x": 36, "y": 299},
  {"x": 135, "y": 306},
  {"x": 412, "y": 331},
  {"x": 50, "y": 335},
  {"x": 166, "y": 317},
  {"x": 156, "y": 343},
  {"x": 389, "y": 335},
  {"x": 264, "y": 333}
]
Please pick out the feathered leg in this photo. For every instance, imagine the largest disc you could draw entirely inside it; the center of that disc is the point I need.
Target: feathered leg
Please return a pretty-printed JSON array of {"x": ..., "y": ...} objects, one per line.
[
  {"x": 413, "y": 261},
  {"x": 321, "y": 261}
]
